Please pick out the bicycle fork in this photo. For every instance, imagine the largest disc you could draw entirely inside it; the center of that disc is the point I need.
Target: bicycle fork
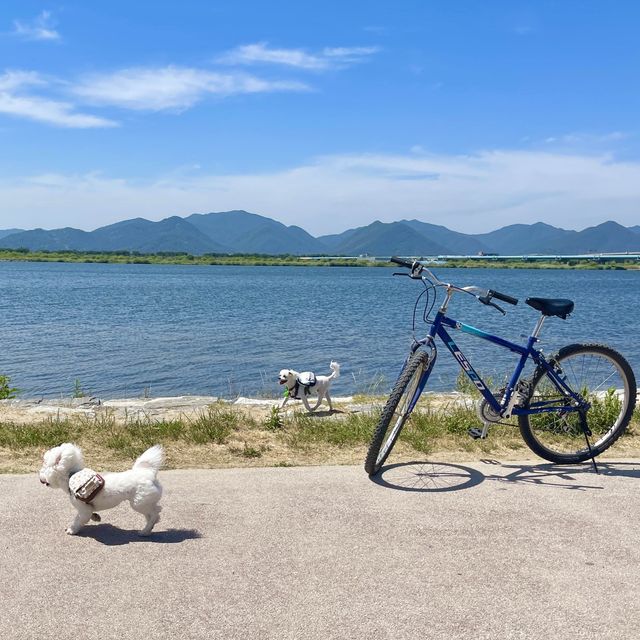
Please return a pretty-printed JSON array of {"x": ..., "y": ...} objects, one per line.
[{"x": 433, "y": 353}]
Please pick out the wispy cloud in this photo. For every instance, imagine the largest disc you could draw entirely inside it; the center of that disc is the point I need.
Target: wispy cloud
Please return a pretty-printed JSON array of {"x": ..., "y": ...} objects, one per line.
[
  {"x": 171, "y": 88},
  {"x": 587, "y": 139},
  {"x": 329, "y": 57},
  {"x": 12, "y": 80},
  {"x": 17, "y": 101},
  {"x": 29, "y": 95},
  {"x": 168, "y": 88},
  {"x": 472, "y": 193},
  {"x": 40, "y": 28}
]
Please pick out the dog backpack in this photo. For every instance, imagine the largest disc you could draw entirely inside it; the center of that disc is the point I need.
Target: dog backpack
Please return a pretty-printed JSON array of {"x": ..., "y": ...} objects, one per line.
[
  {"x": 85, "y": 484},
  {"x": 306, "y": 380}
]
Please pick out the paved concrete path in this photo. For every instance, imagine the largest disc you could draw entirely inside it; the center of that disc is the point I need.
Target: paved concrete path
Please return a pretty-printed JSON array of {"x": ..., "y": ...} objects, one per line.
[{"x": 489, "y": 550}]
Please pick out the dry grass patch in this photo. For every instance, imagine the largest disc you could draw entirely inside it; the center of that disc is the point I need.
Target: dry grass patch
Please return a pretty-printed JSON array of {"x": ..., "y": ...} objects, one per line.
[{"x": 228, "y": 436}]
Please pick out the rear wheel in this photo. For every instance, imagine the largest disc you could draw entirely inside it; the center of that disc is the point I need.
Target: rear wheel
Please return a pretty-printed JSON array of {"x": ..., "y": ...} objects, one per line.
[
  {"x": 395, "y": 413},
  {"x": 603, "y": 378}
]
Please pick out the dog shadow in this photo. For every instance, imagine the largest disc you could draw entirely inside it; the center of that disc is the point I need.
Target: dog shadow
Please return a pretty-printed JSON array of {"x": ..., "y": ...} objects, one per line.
[
  {"x": 109, "y": 535},
  {"x": 323, "y": 413}
]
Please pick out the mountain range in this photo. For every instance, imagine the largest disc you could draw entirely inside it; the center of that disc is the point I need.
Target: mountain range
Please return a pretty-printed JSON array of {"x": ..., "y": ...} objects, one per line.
[{"x": 230, "y": 232}]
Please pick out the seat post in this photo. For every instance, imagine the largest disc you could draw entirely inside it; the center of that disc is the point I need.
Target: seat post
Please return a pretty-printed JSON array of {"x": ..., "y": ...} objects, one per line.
[{"x": 538, "y": 327}]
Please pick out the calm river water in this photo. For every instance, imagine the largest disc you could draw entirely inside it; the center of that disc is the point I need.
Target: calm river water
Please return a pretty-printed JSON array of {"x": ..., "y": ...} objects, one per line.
[{"x": 127, "y": 330}]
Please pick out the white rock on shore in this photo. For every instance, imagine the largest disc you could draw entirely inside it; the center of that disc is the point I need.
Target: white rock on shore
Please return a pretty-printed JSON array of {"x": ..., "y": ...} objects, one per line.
[
  {"x": 24, "y": 411},
  {"x": 20, "y": 410}
]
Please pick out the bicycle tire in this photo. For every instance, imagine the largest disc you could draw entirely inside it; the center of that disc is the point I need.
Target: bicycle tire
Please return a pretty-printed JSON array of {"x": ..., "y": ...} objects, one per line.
[
  {"x": 558, "y": 437},
  {"x": 384, "y": 440}
]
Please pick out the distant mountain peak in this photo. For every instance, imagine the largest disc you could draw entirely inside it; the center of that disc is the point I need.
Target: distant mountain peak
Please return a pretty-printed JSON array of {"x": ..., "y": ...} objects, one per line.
[{"x": 240, "y": 231}]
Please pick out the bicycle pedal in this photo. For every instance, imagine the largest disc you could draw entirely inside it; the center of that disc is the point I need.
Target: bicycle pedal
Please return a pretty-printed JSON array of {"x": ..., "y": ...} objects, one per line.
[{"x": 476, "y": 434}]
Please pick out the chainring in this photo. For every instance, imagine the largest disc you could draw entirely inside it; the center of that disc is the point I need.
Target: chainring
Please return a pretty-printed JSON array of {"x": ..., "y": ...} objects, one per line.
[{"x": 486, "y": 412}]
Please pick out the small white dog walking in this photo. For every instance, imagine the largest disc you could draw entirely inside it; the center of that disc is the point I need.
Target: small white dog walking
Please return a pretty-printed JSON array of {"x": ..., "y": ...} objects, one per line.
[
  {"x": 301, "y": 385},
  {"x": 89, "y": 492}
]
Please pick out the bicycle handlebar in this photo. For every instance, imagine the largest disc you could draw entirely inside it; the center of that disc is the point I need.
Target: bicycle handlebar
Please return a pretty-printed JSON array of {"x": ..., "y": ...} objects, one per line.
[
  {"x": 402, "y": 262},
  {"x": 483, "y": 296},
  {"x": 502, "y": 296}
]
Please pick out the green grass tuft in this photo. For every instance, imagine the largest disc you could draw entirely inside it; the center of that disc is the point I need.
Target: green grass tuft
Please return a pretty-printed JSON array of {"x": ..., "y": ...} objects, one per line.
[
  {"x": 338, "y": 430},
  {"x": 273, "y": 422},
  {"x": 215, "y": 425},
  {"x": 48, "y": 433}
]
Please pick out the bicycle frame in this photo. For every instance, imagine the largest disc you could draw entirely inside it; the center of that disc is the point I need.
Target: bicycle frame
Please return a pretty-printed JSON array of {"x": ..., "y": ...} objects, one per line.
[{"x": 508, "y": 406}]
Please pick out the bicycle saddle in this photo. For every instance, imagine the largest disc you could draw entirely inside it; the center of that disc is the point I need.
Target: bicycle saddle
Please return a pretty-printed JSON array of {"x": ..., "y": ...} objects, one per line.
[{"x": 552, "y": 306}]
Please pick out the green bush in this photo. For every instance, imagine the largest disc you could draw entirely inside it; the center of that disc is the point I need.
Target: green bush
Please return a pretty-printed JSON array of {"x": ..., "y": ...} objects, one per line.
[
  {"x": 273, "y": 422},
  {"x": 6, "y": 390}
]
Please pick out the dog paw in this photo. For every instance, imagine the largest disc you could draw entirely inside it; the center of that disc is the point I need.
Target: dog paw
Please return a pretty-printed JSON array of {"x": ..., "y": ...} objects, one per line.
[{"x": 70, "y": 531}]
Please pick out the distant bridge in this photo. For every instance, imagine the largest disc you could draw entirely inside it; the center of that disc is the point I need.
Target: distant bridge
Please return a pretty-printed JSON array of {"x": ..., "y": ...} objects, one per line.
[{"x": 594, "y": 257}]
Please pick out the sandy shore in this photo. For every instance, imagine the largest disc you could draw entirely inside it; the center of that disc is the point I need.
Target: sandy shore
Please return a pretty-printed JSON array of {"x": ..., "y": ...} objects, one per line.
[{"x": 26, "y": 411}]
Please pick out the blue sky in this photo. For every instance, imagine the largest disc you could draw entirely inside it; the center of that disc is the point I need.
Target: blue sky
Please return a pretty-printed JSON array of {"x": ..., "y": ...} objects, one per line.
[{"x": 326, "y": 115}]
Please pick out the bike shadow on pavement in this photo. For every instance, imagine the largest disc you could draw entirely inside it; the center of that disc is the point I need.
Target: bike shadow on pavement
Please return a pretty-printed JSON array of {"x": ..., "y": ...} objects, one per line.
[
  {"x": 428, "y": 477},
  {"x": 433, "y": 477},
  {"x": 577, "y": 477},
  {"x": 109, "y": 535}
]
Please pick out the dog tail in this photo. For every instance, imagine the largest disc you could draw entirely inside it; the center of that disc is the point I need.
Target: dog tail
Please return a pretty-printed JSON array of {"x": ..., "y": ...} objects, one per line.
[
  {"x": 335, "y": 368},
  {"x": 151, "y": 459}
]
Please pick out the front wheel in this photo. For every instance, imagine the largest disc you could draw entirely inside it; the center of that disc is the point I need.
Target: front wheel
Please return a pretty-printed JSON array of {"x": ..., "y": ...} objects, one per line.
[
  {"x": 396, "y": 412},
  {"x": 604, "y": 379}
]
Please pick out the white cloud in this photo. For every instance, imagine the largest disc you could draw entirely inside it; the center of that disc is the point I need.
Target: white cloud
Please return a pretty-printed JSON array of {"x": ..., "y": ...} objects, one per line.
[
  {"x": 470, "y": 193},
  {"x": 15, "y": 102},
  {"x": 172, "y": 87},
  {"x": 261, "y": 53},
  {"x": 139, "y": 88},
  {"x": 12, "y": 80},
  {"x": 589, "y": 140},
  {"x": 169, "y": 88},
  {"x": 349, "y": 54},
  {"x": 40, "y": 28}
]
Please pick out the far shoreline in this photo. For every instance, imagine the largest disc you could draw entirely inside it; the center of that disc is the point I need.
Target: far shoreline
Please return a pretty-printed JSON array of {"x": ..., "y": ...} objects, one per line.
[{"x": 254, "y": 260}]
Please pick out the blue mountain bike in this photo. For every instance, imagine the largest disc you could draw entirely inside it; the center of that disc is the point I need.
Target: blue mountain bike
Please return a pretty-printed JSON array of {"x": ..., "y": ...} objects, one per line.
[{"x": 575, "y": 405}]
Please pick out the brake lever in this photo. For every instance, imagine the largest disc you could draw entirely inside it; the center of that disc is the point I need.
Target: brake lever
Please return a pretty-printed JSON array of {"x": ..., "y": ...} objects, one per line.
[
  {"x": 500, "y": 309},
  {"x": 487, "y": 300}
]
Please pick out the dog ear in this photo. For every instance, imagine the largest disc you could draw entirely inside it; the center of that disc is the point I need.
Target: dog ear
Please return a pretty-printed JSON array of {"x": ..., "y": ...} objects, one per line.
[{"x": 65, "y": 452}]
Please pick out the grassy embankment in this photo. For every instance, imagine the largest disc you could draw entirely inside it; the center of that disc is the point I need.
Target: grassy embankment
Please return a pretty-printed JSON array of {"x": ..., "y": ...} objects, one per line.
[
  {"x": 560, "y": 263},
  {"x": 228, "y": 436},
  {"x": 132, "y": 257},
  {"x": 128, "y": 257}
]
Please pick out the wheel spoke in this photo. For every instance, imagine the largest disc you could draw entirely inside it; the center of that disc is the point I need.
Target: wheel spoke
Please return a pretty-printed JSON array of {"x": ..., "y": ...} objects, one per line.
[{"x": 603, "y": 379}]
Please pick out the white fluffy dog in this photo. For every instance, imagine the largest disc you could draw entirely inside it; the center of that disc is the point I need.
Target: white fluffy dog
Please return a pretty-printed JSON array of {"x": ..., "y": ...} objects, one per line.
[
  {"x": 298, "y": 386},
  {"x": 63, "y": 468}
]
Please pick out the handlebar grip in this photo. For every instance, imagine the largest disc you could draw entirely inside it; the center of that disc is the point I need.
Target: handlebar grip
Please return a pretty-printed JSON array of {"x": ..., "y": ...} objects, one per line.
[
  {"x": 503, "y": 296},
  {"x": 400, "y": 261}
]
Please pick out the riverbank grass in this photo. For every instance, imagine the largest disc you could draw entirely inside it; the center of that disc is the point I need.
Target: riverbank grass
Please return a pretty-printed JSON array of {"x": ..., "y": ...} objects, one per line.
[{"x": 226, "y": 436}]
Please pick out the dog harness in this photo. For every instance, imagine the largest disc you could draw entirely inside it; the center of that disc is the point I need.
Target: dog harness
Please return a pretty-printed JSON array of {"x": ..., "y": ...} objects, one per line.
[
  {"x": 85, "y": 484},
  {"x": 306, "y": 380}
]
